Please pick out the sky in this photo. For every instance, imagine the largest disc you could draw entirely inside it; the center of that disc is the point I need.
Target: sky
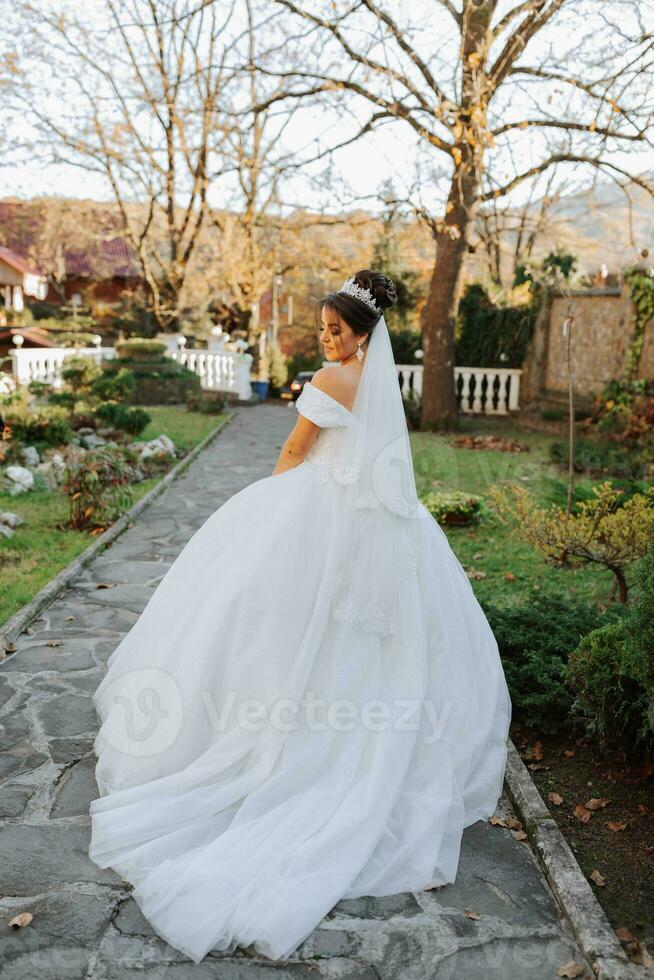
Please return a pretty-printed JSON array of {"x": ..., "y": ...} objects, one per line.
[{"x": 360, "y": 169}]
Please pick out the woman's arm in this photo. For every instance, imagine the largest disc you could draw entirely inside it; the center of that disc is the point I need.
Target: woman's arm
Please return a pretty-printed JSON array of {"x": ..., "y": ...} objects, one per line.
[{"x": 297, "y": 445}]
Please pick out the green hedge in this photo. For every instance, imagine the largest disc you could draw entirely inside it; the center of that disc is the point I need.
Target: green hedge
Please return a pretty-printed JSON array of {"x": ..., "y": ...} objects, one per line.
[{"x": 489, "y": 335}]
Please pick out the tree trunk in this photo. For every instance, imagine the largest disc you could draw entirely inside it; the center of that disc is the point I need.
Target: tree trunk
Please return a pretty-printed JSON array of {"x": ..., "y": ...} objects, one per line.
[{"x": 438, "y": 397}]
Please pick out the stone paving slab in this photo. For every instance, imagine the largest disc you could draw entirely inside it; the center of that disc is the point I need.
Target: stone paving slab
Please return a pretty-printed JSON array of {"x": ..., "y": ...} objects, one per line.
[{"x": 85, "y": 923}]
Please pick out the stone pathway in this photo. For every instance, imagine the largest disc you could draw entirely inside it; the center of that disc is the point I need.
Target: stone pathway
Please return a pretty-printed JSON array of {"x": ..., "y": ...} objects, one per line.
[{"x": 85, "y": 923}]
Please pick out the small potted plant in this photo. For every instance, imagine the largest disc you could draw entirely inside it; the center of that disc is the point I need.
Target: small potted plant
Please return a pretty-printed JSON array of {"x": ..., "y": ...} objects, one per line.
[{"x": 455, "y": 508}]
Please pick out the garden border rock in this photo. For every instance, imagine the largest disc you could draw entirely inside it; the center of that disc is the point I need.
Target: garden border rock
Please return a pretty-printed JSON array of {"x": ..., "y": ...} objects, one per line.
[
  {"x": 576, "y": 898},
  {"x": 28, "y": 613}
]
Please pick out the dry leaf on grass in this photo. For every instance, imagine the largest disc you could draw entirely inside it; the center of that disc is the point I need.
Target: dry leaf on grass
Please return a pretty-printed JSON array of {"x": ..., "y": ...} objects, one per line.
[
  {"x": 597, "y": 804},
  {"x": 615, "y": 825},
  {"x": 555, "y": 798},
  {"x": 21, "y": 920},
  {"x": 568, "y": 753},
  {"x": 582, "y": 813},
  {"x": 570, "y": 970},
  {"x": 597, "y": 877}
]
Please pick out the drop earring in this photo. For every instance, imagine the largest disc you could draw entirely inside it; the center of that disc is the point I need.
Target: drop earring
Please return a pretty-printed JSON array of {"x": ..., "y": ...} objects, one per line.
[{"x": 359, "y": 353}]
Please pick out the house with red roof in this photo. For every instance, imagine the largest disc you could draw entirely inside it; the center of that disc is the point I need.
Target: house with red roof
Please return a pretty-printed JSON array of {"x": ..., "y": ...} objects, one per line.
[{"x": 19, "y": 279}]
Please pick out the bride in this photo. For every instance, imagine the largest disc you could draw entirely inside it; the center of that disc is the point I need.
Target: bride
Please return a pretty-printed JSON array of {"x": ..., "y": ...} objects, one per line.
[{"x": 311, "y": 706}]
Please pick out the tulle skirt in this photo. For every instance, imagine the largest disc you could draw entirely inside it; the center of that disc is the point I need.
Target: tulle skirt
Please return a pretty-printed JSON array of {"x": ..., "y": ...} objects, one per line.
[{"x": 260, "y": 759}]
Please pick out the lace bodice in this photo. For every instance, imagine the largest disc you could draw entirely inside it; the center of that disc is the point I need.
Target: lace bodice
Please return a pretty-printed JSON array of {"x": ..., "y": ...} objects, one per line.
[{"x": 333, "y": 419}]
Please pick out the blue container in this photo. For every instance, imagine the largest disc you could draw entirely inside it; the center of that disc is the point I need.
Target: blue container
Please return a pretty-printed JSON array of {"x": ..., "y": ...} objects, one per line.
[{"x": 261, "y": 388}]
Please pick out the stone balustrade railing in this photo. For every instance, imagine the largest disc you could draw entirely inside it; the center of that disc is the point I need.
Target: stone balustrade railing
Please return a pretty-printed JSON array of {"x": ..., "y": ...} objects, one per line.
[
  {"x": 45, "y": 363},
  {"x": 226, "y": 371},
  {"x": 487, "y": 391},
  {"x": 483, "y": 391}
]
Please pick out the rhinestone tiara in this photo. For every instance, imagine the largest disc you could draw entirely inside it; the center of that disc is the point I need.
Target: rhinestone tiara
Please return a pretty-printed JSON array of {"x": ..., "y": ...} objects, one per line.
[{"x": 350, "y": 288}]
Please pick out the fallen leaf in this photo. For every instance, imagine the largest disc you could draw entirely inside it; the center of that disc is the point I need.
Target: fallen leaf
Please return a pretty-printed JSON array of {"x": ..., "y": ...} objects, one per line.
[
  {"x": 555, "y": 798},
  {"x": 536, "y": 751},
  {"x": 514, "y": 823},
  {"x": 642, "y": 809},
  {"x": 568, "y": 753},
  {"x": 582, "y": 813},
  {"x": 597, "y": 803},
  {"x": 597, "y": 877},
  {"x": 68, "y": 618},
  {"x": 509, "y": 577},
  {"x": 476, "y": 574},
  {"x": 497, "y": 821},
  {"x": 519, "y": 834},
  {"x": 624, "y": 935},
  {"x": 105, "y": 585},
  {"x": 571, "y": 969},
  {"x": 638, "y": 953},
  {"x": 471, "y": 915},
  {"x": 54, "y": 643},
  {"x": 21, "y": 920},
  {"x": 615, "y": 825}
]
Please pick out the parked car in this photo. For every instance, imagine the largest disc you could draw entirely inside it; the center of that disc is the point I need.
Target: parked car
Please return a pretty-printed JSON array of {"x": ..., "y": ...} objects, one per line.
[{"x": 294, "y": 389}]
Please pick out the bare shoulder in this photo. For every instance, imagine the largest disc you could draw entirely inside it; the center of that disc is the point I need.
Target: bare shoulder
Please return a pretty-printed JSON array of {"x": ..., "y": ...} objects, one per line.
[{"x": 336, "y": 383}]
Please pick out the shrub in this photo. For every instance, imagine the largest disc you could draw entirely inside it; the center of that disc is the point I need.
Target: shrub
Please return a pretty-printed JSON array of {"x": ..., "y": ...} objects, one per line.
[
  {"x": 612, "y": 704},
  {"x": 453, "y": 508},
  {"x": 98, "y": 485},
  {"x": 605, "y": 458},
  {"x": 489, "y": 335},
  {"x": 206, "y": 404},
  {"x": 114, "y": 387},
  {"x": 405, "y": 343},
  {"x": 48, "y": 426},
  {"x": 607, "y": 530},
  {"x": 127, "y": 418},
  {"x": 535, "y": 637},
  {"x": 158, "y": 381},
  {"x": 140, "y": 348}
]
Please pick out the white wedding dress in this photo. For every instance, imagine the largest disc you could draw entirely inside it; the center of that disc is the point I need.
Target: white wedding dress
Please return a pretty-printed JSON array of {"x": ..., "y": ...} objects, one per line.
[{"x": 282, "y": 730}]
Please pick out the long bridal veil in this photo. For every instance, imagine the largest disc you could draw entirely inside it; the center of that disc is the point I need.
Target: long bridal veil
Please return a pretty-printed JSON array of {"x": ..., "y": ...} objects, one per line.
[{"x": 380, "y": 502}]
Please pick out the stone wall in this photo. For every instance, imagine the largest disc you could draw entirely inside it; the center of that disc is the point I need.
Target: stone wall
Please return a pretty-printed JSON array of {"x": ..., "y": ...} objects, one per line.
[{"x": 602, "y": 332}]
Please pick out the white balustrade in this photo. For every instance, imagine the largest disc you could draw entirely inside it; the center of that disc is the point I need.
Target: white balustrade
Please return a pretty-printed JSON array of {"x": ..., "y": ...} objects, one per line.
[
  {"x": 487, "y": 391},
  {"x": 45, "y": 363},
  {"x": 226, "y": 371}
]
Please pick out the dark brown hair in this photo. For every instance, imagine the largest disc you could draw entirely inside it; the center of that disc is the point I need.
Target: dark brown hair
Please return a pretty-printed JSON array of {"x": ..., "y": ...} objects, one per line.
[{"x": 358, "y": 315}]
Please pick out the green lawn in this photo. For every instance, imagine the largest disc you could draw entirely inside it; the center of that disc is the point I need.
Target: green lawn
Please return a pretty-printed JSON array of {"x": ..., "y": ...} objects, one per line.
[
  {"x": 488, "y": 547},
  {"x": 40, "y": 547}
]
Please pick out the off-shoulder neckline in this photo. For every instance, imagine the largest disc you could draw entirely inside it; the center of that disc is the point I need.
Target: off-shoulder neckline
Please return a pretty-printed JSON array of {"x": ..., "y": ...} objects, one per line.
[{"x": 330, "y": 397}]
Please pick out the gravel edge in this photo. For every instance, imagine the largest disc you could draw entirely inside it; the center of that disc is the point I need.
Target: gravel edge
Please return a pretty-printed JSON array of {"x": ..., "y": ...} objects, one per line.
[
  {"x": 576, "y": 898},
  {"x": 28, "y": 613}
]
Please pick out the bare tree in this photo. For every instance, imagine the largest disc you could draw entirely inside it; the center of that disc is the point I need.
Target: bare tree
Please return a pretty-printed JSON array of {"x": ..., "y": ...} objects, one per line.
[
  {"x": 507, "y": 235},
  {"x": 138, "y": 101},
  {"x": 512, "y": 91}
]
